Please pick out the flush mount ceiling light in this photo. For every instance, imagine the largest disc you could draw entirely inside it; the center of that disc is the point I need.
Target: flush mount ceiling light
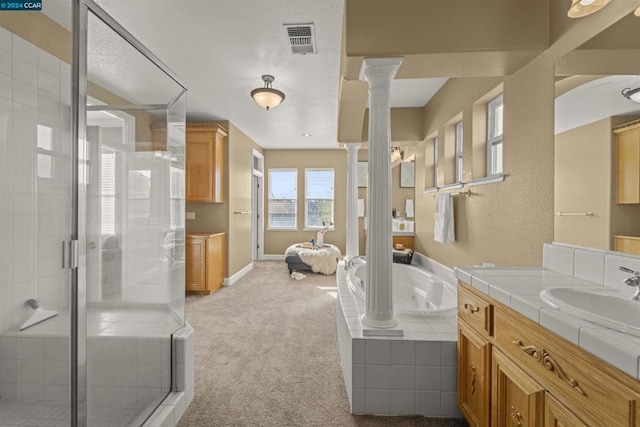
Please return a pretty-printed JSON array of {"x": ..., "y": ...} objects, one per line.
[
  {"x": 632, "y": 94},
  {"x": 581, "y": 8},
  {"x": 266, "y": 96}
]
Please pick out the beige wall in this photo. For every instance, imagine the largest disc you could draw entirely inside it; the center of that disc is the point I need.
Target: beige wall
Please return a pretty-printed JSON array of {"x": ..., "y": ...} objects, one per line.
[
  {"x": 585, "y": 165},
  {"x": 276, "y": 242},
  {"x": 505, "y": 223},
  {"x": 219, "y": 217},
  {"x": 583, "y": 173}
]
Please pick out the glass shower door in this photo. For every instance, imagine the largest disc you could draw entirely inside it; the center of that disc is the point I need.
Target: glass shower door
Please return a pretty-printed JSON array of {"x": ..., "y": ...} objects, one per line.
[
  {"x": 132, "y": 174},
  {"x": 35, "y": 211}
]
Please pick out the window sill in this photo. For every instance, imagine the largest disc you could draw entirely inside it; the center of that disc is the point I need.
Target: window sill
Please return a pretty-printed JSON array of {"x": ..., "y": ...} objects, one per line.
[
  {"x": 282, "y": 228},
  {"x": 453, "y": 186},
  {"x": 486, "y": 180},
  {"x": 430, "y": 190},
  {"x": 317, "y": 229}
]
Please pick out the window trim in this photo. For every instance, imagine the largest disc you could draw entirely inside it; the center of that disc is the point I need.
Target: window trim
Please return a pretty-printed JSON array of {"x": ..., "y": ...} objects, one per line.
[
  {"x": 459, "y": 132},
  {"x": 493, "y": 141},
  {"x": 271, "y": 227},
  {"x": 306, "y": 226}
]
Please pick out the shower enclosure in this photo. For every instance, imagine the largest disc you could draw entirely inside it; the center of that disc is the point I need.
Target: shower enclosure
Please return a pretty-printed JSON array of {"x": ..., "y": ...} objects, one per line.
[{"x": 91, "y": 219}]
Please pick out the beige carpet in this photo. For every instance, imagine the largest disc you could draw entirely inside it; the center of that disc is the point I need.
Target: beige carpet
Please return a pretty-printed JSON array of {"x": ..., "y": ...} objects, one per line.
[{"x": 266, "y": 355}]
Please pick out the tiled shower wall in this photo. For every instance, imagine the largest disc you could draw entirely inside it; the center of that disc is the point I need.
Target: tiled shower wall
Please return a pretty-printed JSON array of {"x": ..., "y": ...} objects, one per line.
[{"x": 35, "y": 147}]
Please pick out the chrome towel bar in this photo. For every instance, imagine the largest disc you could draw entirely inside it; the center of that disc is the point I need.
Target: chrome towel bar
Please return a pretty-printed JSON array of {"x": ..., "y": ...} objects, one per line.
[{"x": 574, "y": 213}]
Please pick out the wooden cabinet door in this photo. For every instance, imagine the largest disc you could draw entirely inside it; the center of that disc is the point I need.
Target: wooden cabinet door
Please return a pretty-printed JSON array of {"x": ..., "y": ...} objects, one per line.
[
  {"x": 557, "y": 415},
  {"x": 516, "y": 399},
  {"x": 628, "y": 166},
  {"x": 215, "y": 261},
  {"x": 195, "y": 255},
  {"x": 474, "y": 357},
  {"x": 200, "y": 174},
  {"x": 218, "y": 168}
]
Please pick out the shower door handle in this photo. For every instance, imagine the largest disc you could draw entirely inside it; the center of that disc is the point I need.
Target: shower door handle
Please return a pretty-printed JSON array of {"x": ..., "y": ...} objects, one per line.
[{"x": 69, "y": 254}]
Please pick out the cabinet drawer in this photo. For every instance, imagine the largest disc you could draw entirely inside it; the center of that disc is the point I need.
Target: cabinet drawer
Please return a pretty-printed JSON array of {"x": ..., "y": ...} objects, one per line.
[
  {"x": 475, "y": 310},
  {"x": 595, "y": 395}
]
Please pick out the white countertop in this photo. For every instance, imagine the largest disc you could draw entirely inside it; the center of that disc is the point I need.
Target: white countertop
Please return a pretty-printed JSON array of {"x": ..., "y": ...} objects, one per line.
[
  {"x": 402, "y": 233},
  {"x": 519, "y": 288}
]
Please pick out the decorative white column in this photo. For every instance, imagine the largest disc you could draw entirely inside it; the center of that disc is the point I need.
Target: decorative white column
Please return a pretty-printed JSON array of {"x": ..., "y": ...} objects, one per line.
[
  {"x": 379, "y": 300},
  {"x": 352, "y": 200}
]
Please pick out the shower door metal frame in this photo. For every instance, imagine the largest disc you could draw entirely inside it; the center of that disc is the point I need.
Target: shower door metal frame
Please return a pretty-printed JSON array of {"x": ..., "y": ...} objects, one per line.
[{"x": 77, "y": 245}]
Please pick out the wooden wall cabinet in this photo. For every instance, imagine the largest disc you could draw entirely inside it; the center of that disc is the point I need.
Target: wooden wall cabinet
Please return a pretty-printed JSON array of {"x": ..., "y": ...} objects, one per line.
[
  {"x": 627, "y": 244},
  {"x": 406, "y": 241},
  {"x": 628, "y": 163},
  {"x": 205, "y": 162},
  {"x": 535, "y": 377},
  {"x": 205, "y": 261}
]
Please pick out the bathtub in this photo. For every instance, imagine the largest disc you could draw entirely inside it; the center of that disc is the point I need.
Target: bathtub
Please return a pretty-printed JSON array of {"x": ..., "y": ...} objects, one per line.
[{"x": 416, "y": 291}]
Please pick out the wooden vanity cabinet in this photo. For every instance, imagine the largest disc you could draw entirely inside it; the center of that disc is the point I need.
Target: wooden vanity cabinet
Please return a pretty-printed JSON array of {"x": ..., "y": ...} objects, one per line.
[
  {"x": 535, "y": 377},
  {"x": 474, "y": 357},
  {"x": 205, "y": 145},
  {"x": 628, "y": 163},
  {"x": 205, "y": 260},
  {"x": 516, "y": 399},
  {"x": 406, "y": 241}
]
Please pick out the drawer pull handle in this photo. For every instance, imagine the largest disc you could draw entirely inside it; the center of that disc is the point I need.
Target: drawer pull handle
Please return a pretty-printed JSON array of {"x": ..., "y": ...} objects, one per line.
[
  {"x": 541, "y": 356},
  {"x": 472, "y": 308},
  {"x": 473, "y": 378},
  {"x": 516, "y": 417}
]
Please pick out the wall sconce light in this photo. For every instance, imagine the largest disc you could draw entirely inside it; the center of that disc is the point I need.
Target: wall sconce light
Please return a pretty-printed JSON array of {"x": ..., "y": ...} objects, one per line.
[
  {"x": 266, "y": 96},
  {"x": 582, "y": 8},
  {"x": 396, "y": 154}
]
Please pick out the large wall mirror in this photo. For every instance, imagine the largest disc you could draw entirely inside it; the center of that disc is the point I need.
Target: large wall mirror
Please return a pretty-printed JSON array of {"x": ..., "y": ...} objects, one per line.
[{"x": 590, "y": 111}]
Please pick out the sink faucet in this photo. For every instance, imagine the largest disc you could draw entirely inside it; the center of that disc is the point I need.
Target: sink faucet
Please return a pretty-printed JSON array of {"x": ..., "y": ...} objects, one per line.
[{"x": 632, "y": 281}]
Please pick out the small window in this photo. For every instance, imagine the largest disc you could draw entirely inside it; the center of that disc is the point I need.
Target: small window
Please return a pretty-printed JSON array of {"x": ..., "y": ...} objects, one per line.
[
  {"x": 459, "y": 144},
  {"x": 436, "y": 142},
  {"x": 283, "y": 198},
  {"x": 45, "y": 151},
  {"x": 318, "y": 198},
  {"x": 494, "y": 136}
]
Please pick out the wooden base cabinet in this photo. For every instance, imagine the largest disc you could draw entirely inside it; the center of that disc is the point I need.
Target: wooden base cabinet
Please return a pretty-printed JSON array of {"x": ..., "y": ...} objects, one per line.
[
  {"x": 474, "y": 358},
  {"x": 535, "y": 377},
  {"x": 516, "y": 399},
  {"x": 205, "y": 260}
]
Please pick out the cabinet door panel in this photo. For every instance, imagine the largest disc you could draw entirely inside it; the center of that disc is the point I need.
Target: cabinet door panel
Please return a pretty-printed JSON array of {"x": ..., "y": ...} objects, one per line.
[
  {"x": 628, "y": 154},
  {"x": 516, "y": 399},
  {"x": 200, "y": 152},
  {"x": 195, "y": 279},
  {"x": 474, "y": 353},
  {"x": 557, "y": 415}
]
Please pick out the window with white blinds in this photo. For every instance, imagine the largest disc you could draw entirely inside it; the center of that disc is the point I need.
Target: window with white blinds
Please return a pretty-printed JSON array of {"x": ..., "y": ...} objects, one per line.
[
  {"x": 283, "y": 198},
  {"x": 318, "y": 197},
  {"x": 495, "y": 109},
  {"x": 108, "y": 192},
  {"x": 176, "y": 196}
]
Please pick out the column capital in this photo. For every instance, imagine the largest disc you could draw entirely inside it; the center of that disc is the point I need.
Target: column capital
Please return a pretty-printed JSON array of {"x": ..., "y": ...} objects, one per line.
[
  {"x": 376, "y": 70},
  {"x": 352, "y": 146}
]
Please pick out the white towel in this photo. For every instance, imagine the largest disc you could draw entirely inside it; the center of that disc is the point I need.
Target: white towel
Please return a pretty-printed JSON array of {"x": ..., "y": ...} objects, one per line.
[
  {"x": 408, "y": 208},
  {"x": 443, "y": 230},
  {"x": 360, "y": 207}
]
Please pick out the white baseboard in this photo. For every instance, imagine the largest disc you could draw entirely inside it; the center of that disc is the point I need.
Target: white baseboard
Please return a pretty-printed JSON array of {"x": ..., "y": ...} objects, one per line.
[
  {"x": 228, "y": 281},
  {"x": 273, "y": 257}
]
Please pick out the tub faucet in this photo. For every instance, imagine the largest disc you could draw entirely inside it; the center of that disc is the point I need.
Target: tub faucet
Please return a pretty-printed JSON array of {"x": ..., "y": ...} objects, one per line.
[
  {"x": 349, "y": 264},
  {"x": 632, "y": 281}
]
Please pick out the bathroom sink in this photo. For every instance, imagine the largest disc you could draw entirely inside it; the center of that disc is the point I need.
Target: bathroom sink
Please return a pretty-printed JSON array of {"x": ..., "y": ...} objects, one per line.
[{"x": 606, "y": 307}]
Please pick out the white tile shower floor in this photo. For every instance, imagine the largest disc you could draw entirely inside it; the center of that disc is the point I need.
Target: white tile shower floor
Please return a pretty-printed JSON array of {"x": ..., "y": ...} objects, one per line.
[{"x": 41, "y": 414}]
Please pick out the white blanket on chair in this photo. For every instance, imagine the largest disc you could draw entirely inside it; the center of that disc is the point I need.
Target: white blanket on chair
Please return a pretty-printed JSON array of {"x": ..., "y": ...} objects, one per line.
[{"x": 323, "y": 260}]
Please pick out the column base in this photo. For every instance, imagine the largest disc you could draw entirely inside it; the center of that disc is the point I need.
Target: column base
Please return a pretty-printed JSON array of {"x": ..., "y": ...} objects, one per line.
[{"x": 372, "y": 327}]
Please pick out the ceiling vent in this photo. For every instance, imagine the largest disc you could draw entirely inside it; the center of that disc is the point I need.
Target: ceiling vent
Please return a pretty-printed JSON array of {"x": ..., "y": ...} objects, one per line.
[{"x": 301, "y": 38}]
